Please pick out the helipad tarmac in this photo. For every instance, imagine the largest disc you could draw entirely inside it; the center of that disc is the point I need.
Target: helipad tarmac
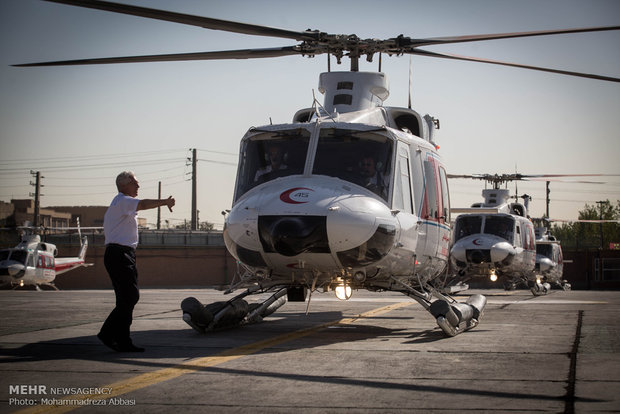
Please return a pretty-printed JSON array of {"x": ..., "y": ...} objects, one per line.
[{"x": 378, "y": 352}]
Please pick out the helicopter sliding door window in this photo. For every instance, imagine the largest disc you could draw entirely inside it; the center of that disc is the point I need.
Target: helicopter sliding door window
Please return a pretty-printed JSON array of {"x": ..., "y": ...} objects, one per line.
[
  {"x": 402, "y": 183},
  {"x": 270, "y": 155},
  {"x": 518, "y": 242},
  {"x": 445, "y": 195},
  {"x": 432, "y": 202},
  {"x": 359, "y": 157}
]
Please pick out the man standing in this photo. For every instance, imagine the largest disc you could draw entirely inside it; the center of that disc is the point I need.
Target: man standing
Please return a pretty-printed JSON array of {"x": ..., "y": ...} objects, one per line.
[{"x": 120, "y": 225}]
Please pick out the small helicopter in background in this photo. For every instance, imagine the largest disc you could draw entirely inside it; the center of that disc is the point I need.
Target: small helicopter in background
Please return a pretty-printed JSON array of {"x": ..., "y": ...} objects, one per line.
[
  {"x": 498, "y": 239},
  {"x": 549, "y": 259},
  {"x": 350, "y": 195},
  {"x": 495, "y": 238},
  {"x": 34, "y": 263}
]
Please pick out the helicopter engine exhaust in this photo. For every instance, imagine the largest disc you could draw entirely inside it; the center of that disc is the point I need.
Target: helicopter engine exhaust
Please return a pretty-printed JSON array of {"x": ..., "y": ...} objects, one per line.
[{"x": 450, "y": 316}]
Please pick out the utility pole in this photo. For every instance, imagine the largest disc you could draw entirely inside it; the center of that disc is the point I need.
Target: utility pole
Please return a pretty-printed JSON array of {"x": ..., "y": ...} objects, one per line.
[
  {"x": 37, "y": 196},
  {"x": 548, "y": 191},
  {"x": 194, "y": 215},
  {"x": 600, "y": 249},
  {"x": 600, "y": 207},
  {"x": 159, "y": 208}
]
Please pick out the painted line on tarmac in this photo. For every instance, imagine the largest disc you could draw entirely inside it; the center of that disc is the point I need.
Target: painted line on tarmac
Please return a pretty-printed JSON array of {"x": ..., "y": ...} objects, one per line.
[{"x": 116, "y": 389}]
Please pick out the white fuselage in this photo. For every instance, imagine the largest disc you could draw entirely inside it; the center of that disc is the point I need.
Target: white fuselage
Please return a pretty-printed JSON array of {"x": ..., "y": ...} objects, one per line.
[
  {"x": 549, "y": 261},
  {"x": 487, "y": 244},
  {"x": 33, "y": 263},
  {"x": 317, "y": 223}
]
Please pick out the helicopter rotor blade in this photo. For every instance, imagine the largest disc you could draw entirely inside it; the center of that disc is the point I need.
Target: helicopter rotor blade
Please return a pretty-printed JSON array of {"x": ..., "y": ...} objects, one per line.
[
  {"x": 516, "y": 65},
  {"x": 476, "y": 38},
  {"x": 557, "y": 180},
  {"x": 175, "y": 57},
  {"x": 205, "y": 22}
]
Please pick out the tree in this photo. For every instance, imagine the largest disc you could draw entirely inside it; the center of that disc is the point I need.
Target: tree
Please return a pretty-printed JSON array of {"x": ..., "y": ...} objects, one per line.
[{"x": 588, "y": 235}]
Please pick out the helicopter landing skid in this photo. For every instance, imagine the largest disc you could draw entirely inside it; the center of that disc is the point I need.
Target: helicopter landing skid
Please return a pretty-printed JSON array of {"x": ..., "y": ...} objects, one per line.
[
  {"x": 455, "y": 318},
  {"x": 235, "y": 312}
]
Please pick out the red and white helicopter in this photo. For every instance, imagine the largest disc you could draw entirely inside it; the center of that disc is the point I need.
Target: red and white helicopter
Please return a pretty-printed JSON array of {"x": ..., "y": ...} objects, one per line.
[
  {"x": 350, "y": 195},
  {"x": 497, "y": 238},
  {"x": 494, "y": 239},
  {"x": 34, "y": 263},
  {"x": 549, "y": 260}
]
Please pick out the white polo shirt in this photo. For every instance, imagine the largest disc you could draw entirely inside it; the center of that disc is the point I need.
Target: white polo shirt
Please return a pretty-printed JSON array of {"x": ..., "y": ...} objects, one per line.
[{"x": 120, "y": 222}]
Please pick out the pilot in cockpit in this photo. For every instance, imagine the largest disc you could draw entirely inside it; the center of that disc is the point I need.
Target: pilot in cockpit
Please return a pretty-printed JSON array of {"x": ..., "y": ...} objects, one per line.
[
  {"x": 372, "y": 178},
  {"x": 276, "y": 163}
]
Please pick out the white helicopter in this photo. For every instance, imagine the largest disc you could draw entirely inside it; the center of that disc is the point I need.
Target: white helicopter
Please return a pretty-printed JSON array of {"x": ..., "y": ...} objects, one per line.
[
  {"x": 549, "y": 260},
  {"x": 549, "y": 257},
  {"x": 34, "y": 263},
  {"x": 498, "y": 239},
  {"x": 350, "y": 195}
]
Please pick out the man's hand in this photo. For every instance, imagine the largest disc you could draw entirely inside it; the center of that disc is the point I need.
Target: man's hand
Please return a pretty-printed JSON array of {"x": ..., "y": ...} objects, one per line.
[{"x": 170, "y": 203}]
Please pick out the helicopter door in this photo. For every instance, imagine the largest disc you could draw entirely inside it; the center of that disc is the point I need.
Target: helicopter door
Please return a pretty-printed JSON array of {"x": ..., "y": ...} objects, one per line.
[
  {"x": 430, "y": 214},
  {"x": 403, "y": 200}
]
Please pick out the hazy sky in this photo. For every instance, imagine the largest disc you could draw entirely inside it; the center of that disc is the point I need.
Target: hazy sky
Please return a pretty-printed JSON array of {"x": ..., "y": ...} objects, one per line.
[{"x": 82, "y": 125}]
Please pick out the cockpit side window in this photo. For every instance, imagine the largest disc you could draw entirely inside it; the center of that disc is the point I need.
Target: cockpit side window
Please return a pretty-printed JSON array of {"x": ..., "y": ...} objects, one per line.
[
  {"x": 4, "y": 254},
  {"x": 271, "y": 155},
  {"x": 19, "y": 256},
  {"x": 501, "y": 226},
  {"x": 362, "y": 158},
  {"x": 466, "y": 226}
]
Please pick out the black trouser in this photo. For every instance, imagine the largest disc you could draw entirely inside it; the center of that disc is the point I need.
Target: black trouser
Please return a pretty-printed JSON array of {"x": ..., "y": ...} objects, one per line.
[{"x": 120, "y": 262}]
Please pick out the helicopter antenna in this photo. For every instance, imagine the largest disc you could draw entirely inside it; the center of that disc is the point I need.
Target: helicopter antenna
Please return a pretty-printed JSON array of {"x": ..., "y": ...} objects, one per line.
[
  {"x": 318, "y": 104},
  {"x": 516, "y": 184},
  {"x": 329, "y": 64},
  {"x": 410, "y": 80},
  {"x": 380, "y": 60}
]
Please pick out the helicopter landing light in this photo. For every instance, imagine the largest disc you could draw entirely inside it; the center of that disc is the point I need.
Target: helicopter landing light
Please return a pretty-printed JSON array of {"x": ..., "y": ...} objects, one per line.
[
  {"x": 343, "y": 292},
  {"x": 493, "y": 276},
  {"x": 21, "y": 283}
]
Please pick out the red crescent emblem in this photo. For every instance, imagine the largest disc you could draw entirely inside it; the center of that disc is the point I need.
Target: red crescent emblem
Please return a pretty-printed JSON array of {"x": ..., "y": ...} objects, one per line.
[
  {"x": 286, "y": 196},
  {"x": 476, "y": 242}
]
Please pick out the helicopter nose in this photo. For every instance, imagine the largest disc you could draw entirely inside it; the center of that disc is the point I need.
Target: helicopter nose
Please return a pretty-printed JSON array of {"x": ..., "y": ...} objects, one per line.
[
  {"x": 546, "y": 264},
  {"x": 459, "y": 252},
  {"x": 293, "y": 235},
  {"x": 501, "y": 251},
  {"x": 16, "y": 270}
]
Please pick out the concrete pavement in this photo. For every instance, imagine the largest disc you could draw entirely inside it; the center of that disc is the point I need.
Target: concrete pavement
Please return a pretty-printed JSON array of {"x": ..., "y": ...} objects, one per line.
[{"x": 378, "y": 352}]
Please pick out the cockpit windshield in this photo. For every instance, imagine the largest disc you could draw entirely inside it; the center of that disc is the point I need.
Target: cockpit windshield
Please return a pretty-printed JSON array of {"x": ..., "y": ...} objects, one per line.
[
  {"x": 545, "y": 250},
  {"x": 360, "y": 157},
  {"x": 466, "y": 226},
  {"x": 270, "y": 155},
  {"x": 14, "y": 255},
  {"x": 502, "y": 226}
]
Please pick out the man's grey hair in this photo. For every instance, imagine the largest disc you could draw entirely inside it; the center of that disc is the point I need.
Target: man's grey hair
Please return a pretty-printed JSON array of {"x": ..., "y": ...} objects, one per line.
[{"x": 124, "y": 178}]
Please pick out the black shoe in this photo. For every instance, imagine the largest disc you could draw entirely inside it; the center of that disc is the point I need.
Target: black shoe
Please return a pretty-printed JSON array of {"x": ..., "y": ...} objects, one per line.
[
  {"x": 130, "y": 348},
  {"x": 109, "y": 342}
]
